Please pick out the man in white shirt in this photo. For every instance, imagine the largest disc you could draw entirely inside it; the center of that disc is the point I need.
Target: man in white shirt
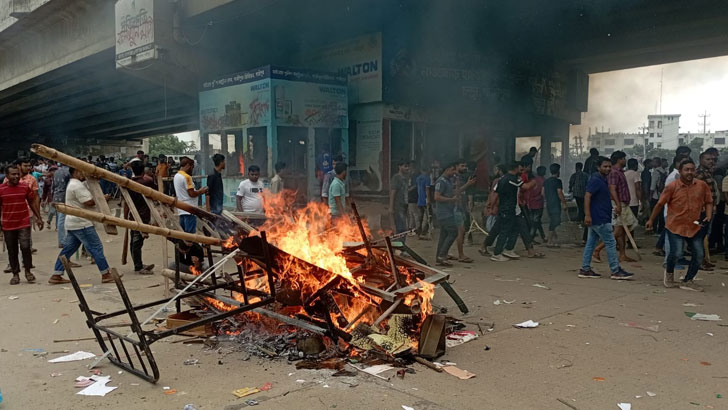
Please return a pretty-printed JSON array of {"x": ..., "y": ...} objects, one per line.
[
  {"x": 80, "y": 231},
  {"x": 249, "y": 198},
  {"x": 276, "y": 184},
  {"x": 186, "y": 192}
]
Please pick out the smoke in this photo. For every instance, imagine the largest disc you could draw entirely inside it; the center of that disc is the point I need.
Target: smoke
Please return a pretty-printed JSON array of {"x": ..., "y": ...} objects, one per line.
[{"x": 621, "y": 100}]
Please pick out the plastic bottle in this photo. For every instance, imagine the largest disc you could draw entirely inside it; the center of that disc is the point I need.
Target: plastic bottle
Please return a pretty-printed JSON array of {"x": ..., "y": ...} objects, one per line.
[{"x": 190, "y": 407}]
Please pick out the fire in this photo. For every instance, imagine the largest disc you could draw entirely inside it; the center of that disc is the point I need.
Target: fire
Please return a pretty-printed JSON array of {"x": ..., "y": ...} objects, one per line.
[{"x": 195, "y": 271}]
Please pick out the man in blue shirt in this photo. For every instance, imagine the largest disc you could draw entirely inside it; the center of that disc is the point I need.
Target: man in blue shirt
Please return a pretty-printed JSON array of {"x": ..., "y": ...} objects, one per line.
[
  {"x": 337, "y": 193},
  {"x": 598, "y": 210}
]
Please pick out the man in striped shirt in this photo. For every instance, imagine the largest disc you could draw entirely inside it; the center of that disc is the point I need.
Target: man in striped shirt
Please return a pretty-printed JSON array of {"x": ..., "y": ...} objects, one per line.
[{"x": 15, "y": 199}]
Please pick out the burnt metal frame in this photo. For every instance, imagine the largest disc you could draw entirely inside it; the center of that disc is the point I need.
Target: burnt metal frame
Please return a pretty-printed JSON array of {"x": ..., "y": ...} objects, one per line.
[{"x": 149, "y": 371}]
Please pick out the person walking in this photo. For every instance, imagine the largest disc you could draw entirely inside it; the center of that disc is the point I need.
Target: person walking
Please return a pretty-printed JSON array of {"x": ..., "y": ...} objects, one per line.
[
  {"x": 577, "y": 187},
  {"x": 215, "y": 194},
  {"x": 535, "y": 202},
  {"x": 462, "y": 183},
  {"x": 590, "y": 165},
  {"x": 690, "y": 205},
  {"x": 508, "y": 209},
  {"x": 398, "y": 188},
  {"x": 186, "y": 192},
  {"x": 80, "y": 231},
  {"x": 16, "y": 198},
  {"x": 445, "y": 197},
  {"x": 423, "y": 224},
  {"x": 623, "y": 217},
  {"x": 598, "y": 220},
  {"x": 138, "y": 201},
  {"x": 337, "y": 193},
  {"x": 60, "y": 182},
  {"x": 553, "y": 190},
  {"x": 634, "y": 184},
  {"x": 490, "y": 211},
  {"x": 646, "y": 178},
  {"x": 704, "y": 172}
]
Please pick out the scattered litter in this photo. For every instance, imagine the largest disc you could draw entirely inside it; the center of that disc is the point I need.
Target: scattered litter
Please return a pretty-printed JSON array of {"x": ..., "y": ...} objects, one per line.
[
  {"x": 266, "y": 386},
  {"x": 98, "y": 388},
  {"x": 190, "y": 406},
  {"x": 170, "y": 391},
  {"x": 34, "y": 350},
  {"x": 702, "y": 316},
  {"x": 705, "y": 363},
  {"x": 134, "y": 384},
  {"x": 325, "y": 386},
  {"x": 598, "y": 379},
  {"x": 709, "y": 334},
  {"x": 119, "y": 372},
  {"x": 624, "y": 406},
  {"x": 718, "y": 396},
  {"x": 497, "y": 302},
  {"x": 566, "y": 403},
  {"x": 508, "y": 302},
  {"x": 527, "y": 324},
  {"x": 85, "y": 285},
  {"x": 459, "y": 337},
  {"x": 83, "y": 382},
  {"x": 56, "y": 321},
  {"x": 245, "y": 391},
  {"x": 651, "y": 328},
  {"x": 191, "y": 362},
  {"x": 507, "y": 280},
  {"x": 300, "y": 381},
  {"x": 407, "y": 407},
  {"x": 459, "y": 373},
  {"x": 689, "y": 304},
  {"x": 56, "y": 374},
  {"x": 649, "y": 393},
  {"x": 251, "y": 402},
  {"x": 166, "y": 388},
  {"x": 380, "y": 368},
  {"x": 13, "y": 297},
  {"x": 486, "y": 348},
  {"x": 80, "y": 355},
  {"x": 538, "y": 285}
]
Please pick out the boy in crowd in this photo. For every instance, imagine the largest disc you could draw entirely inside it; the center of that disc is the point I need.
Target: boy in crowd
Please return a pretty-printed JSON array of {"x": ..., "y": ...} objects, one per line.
[{"x": 555, "y": 202}]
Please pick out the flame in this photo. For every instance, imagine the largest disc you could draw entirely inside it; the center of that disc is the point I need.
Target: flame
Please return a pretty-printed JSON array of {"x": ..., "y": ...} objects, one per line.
[
  {"x": 195, "y": 271},
  {"x": 241, "y": 162}
]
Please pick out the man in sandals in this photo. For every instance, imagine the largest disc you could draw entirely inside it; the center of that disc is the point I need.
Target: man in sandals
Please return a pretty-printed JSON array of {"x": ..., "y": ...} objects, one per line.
[
  {"x": 15, "y": 198},
  {"x": 80, "y": 231}
]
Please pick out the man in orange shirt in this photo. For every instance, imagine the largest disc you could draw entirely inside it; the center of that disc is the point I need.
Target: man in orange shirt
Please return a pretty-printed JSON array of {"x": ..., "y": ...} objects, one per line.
[{"x": 691, "y": 208}]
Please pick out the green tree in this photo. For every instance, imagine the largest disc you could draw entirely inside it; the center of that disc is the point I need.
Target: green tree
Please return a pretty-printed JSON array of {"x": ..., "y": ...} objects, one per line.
[
  {"x": 169, "y": 145},
  {"x": 696, "y": 145}
]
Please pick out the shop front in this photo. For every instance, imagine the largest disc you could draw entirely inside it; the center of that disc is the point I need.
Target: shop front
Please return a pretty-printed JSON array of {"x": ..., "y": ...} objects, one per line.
[{"x": 272, "y": 115}]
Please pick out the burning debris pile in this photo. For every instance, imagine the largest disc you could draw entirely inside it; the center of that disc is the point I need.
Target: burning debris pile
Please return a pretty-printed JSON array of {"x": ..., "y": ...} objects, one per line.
[{"x": 335, "y": 294}]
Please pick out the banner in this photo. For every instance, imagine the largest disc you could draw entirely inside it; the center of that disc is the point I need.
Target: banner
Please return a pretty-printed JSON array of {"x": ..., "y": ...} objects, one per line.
[
  {"x": 134, "y": 30},
  {"x": 367, "y": 174},
  {"x": 304, "y": 104},
  {"x": 360, "y": 59},
  {"x": 246, "y": 104}
]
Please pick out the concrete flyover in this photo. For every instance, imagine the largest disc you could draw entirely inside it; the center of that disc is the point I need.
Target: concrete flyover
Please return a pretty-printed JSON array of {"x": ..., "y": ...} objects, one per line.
[{"x": 516, "y": 68}]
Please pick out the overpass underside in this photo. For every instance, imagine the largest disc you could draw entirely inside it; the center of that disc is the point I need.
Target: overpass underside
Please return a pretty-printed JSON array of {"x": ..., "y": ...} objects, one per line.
[{"x": 59, "y": 80}]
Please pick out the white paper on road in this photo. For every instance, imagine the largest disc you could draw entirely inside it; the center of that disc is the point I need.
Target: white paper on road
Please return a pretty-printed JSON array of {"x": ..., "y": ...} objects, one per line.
[
  {"x": 99, "y": 388},
  {"x": 527, "y": 324},
  {"x": 80, "y": 355},
  {"x": 380, "y": 368},
  {"x": 704, "y": 316},
  {"x": 624, "y": 406}
]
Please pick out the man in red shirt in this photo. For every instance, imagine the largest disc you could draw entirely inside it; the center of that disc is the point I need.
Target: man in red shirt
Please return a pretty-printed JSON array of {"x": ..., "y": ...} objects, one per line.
[{"x": 15, "y": 198}]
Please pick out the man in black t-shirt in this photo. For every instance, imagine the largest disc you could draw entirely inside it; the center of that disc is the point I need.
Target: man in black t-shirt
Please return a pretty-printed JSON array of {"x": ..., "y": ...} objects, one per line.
[
  {"x": 215, "y": 195},
  {"x": 190, "y": 255},
  {"x": 507, "y": 190}
]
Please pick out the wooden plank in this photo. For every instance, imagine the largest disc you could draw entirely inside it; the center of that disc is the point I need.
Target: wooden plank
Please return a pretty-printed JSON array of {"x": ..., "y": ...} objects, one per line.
[
  {"x": 172, "y": 217},
  {"x": 101, "y": 204},
  {"x": 156, "y": 216},
  {"x": 237, "y": 221},
  {"x": 203, "y": 224},
  {"x": 130, "y": 204},
  {"x": 432, "y": 279},
  {"x": 388, "y": 296}
]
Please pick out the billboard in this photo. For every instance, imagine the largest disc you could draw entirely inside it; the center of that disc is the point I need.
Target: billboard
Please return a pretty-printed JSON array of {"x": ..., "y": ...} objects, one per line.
[
  {"x": 236, "y": 100},
  {"x": 309, "y": 99},
  {"x": 360, "y": 59},
  {"x": 134, "y": 33}
]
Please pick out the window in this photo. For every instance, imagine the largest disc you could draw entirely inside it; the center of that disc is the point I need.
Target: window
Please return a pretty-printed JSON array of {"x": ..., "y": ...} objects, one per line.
[
  {"x": 659, "y": 135},
  {"x": 652, "y": 124},
  {"x": 719, "y": 141},
  {"x": 608, "y": 150},
  {"x": 659, "y": 124},
  {"x": 652, "y": 135},
  {"x": 611, "y": 141},
  {"x": 681, "y": 141},
  {"x": 659, "y": 145},
  {"x": 629, "y": 141}
]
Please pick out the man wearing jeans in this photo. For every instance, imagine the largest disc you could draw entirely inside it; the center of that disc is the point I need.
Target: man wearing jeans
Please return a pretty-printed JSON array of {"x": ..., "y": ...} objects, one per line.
[
  {"x": 15, "y": 198},
  {"x": 598, "y": 219},
  {"x": 80, "y": 231},
  {"x": 445, "y": 199},
  {"x": 137, "y": 238},
  {"x": 186, "y": 192},
  {"x": 691, "y": 207}
]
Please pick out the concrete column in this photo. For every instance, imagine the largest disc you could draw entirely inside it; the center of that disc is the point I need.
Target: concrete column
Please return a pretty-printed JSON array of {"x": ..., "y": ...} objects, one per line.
[{"x": 205, "y": 153}]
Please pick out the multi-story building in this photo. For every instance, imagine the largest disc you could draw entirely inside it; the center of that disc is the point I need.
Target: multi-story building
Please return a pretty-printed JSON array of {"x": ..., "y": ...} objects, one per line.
[
  {"x": 663, "y": 130},
  {"x": 607, "y": 142}
]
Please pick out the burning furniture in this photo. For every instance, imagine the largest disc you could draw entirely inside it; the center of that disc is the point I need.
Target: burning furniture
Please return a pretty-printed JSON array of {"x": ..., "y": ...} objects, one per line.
[{"x": 298, "y": 270}]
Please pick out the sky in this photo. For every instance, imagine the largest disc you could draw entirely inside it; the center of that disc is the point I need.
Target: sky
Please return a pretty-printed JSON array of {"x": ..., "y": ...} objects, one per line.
[{"x": 621, "y": 100}]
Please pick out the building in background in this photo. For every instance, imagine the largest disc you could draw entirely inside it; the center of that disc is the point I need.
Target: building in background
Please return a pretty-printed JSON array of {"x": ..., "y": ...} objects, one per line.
[{"x": 663, "y": 130}]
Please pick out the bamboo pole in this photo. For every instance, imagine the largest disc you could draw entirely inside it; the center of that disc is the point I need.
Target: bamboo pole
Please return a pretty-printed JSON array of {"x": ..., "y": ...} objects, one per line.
[
  {"x": 92, "y": 170},
  {"x": 136, "y": 226}
]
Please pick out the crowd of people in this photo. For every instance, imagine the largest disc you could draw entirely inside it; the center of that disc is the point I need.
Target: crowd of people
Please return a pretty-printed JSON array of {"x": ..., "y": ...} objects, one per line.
[{"x": 682, "y": 202}]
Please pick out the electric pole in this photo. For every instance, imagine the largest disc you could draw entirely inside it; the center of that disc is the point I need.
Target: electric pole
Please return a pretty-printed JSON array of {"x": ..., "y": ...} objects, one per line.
[
  {"x": 644, "y": 128},
  {"x": 578, "y": 145},
  {"x": 704, "y": 122}
]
